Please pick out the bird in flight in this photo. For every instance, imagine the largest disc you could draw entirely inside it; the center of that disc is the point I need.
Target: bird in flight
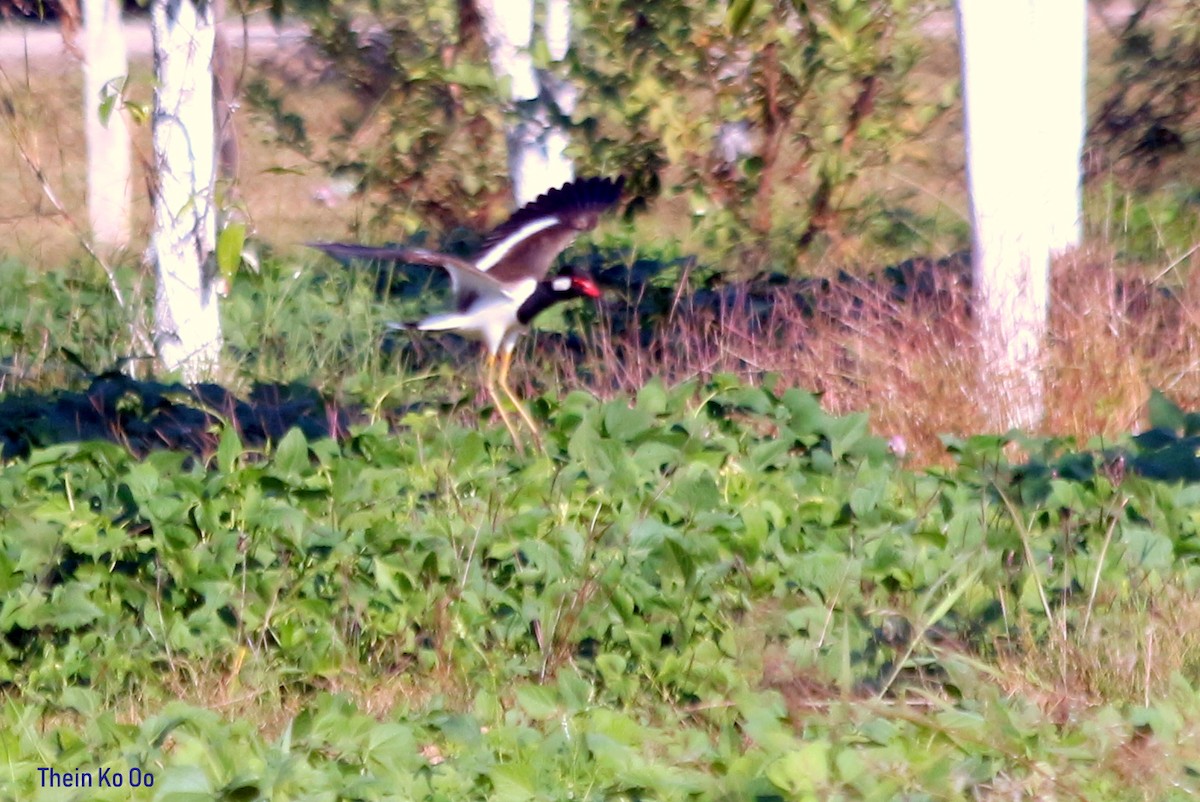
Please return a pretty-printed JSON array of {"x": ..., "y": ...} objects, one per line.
[{"x": 505, "y": 286}]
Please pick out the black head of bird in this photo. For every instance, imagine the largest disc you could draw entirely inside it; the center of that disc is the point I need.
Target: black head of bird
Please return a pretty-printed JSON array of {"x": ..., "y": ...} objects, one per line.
[{"x": 548, "y": 292}]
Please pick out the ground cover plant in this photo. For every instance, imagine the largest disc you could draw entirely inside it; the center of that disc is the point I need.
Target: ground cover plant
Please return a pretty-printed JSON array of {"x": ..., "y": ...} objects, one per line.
[{"x": 707, "y": 591}]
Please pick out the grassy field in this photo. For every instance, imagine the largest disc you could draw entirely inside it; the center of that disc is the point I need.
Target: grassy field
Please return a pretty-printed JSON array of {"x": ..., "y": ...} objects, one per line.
[{"x": 718, "y": 581}]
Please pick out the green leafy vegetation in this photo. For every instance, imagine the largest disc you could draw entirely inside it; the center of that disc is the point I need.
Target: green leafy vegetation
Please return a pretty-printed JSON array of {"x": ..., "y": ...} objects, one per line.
[
  {"x": 714, "y": 584},
  {"x": 759, "y": 136},
  {"x": 762, "y": 119},
  {"x": 706, "y": 591}
]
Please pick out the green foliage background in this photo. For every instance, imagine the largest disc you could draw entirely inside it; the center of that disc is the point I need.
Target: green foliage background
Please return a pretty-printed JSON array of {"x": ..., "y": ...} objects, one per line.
[
  {"x": 775, "y": 133},
  {"x": 813, "y": 94}
]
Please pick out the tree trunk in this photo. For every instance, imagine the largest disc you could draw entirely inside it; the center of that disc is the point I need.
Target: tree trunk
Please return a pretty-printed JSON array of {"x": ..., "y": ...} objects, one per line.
[
  {"x": 559, "y": 168},
  {"x": 1061, "y": 28},
  {"x": 537, "y": 158},
  {"x": 106, "y": 129},
  {"x": 187, "y": 326},
  {"x": 1023, "y": 133},
  {"x": 225, "y": 90}
]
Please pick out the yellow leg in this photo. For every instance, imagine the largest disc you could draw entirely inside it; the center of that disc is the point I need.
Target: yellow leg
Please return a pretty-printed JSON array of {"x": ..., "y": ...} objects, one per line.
[
  {"x": 490, "y": 383},
  {"x": 505, "y": 364}
]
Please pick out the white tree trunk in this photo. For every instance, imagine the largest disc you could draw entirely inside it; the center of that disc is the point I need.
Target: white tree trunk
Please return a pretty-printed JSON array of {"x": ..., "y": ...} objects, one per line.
[
  {"x": 1061, "y": 30},
  {"x": 558, "y": 28},
  {"x": 559, "y": 168},
  {"x": 1024, "y": 124},
  {"x": 537, "y": 158},
  {"x": 186, "y": 322},
  {"x": 105, "y": 67}
]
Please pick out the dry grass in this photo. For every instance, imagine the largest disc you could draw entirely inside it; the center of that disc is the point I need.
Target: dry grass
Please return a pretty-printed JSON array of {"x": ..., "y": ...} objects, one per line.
[
  {"x": 913, "y": 367},
  {"x": 277, "y": 189},
  {"x": 1129, "y": 653},
  {"x": 37, "y": 105},
  {"x": 1115, "y": 336}
]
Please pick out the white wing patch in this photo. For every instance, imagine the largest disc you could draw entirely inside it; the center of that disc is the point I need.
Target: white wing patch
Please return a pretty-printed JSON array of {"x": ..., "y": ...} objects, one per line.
[
  {"x": 467, "y": 278},
  {"x": 498, "y": 251},
  {"x": 520, "y": 290}
]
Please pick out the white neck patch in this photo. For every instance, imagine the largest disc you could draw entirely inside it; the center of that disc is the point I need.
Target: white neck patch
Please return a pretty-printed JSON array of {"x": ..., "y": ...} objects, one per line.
[{"x": 501, "y": 248}]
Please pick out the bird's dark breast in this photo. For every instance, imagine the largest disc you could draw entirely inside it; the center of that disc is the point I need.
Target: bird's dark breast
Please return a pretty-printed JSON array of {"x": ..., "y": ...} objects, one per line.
[{"x": 541, "y": 300}]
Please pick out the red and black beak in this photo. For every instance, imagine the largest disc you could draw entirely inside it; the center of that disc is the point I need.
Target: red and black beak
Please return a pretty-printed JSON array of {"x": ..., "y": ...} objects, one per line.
[{"x": 585, "y": 286}]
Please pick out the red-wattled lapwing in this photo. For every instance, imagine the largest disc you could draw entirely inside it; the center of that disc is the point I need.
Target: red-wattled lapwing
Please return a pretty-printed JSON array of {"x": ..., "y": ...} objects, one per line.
[{"x": 504, "y": 287}]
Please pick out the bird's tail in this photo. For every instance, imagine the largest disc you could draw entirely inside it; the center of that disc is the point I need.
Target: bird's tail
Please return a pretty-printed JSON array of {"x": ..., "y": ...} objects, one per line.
[{"x": 446, "y": 321}]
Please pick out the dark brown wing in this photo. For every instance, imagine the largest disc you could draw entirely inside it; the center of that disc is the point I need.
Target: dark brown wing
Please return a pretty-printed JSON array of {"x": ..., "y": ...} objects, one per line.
[
  {"x": 525, "y": 245},
  {"x": 464, "y": 278},
  {"x": 389, "y": 253},
  {"x": 581, "y": 200}
]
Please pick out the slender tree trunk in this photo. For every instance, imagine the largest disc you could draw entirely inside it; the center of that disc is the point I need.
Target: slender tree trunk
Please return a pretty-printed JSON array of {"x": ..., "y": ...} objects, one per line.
[
  {"x": 106, "y": 128},
  {"x": 1061, "y": 28},
  {"x": 558, "y": 169},
  {"x": 187, "y": 325},
  {"x": 1023, "y": 134},
  {"x": 225, "y": 90},
  {"x": 537, "y": 158}
]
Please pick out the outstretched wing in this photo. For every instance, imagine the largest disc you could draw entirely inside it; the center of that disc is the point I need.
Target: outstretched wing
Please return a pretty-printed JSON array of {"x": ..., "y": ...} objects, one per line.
[
  {"x": 526, "y": 245},
  {"x": 465, "y": 279},
  {"x": 390, "y": 253}
]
